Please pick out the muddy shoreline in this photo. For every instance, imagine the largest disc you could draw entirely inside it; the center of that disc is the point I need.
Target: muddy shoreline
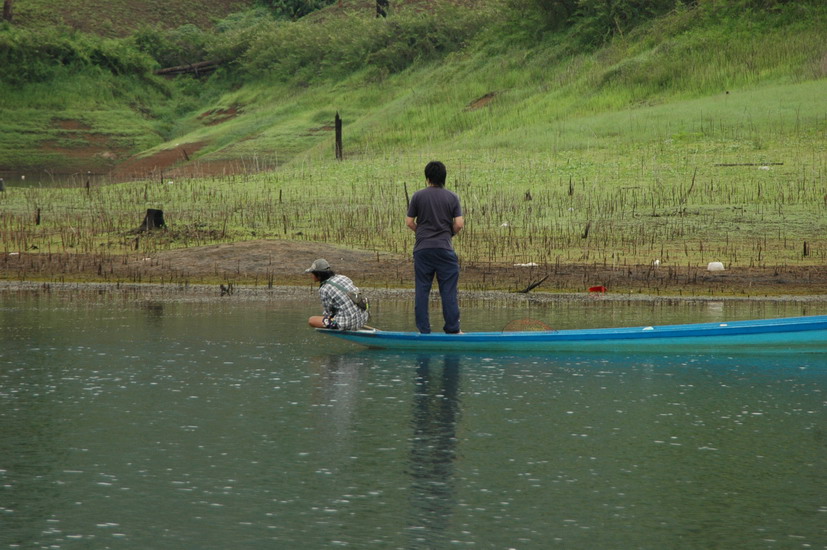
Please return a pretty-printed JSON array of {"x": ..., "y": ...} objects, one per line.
[
  {"x": 242, "y": 293},
  {"x": 274, "y": 269}
]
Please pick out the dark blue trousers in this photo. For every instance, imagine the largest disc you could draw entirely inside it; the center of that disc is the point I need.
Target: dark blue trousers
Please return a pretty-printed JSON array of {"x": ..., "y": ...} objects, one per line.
[{"x": 443, "y": 264}]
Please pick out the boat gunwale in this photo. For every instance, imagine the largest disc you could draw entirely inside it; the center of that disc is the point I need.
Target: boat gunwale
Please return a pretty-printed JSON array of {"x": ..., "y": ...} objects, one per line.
[{"x": 688, "y": 330}]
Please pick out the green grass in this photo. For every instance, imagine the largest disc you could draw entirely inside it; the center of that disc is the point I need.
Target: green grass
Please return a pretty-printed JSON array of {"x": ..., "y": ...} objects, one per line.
[
  {"x": 665, "y": 200},
  {"x": 119, "y": 17},
  {"x": 684, "y": 142}
]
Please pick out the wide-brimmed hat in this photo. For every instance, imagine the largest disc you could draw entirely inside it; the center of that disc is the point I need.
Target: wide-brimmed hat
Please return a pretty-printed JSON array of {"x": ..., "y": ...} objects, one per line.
[{"x": 318, "y": 265}]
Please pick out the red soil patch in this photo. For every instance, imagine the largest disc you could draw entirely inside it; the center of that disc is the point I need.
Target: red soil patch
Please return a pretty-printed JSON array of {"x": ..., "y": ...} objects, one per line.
[
  {"x": 95, "y": 151},
  {"x": 165, "y": 162},
  {"x": 70, "y": 124},
  {"x": 481, "y": 102}
]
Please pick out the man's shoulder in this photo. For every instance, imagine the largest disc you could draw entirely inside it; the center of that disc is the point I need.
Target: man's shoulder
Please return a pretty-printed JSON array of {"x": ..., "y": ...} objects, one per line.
[
  {"x": 436, "y": 191},
  {"x": 341, "y": 280},
  {"x": 449, "y": 196}
]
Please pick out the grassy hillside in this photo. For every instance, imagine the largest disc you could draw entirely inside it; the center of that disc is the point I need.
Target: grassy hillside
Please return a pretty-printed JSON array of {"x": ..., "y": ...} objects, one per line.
[
  {"x": 694, "y": 137},
  {"x": 77, "y": 92},
  {"x": 85, "y": 102},
  {"x": 121, "y": 17},
  {"x": 281, "y": 84}
]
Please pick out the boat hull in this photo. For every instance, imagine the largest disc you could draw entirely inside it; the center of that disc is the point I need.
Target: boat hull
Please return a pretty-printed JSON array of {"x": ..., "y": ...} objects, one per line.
[{"x": 790, "y": 334}]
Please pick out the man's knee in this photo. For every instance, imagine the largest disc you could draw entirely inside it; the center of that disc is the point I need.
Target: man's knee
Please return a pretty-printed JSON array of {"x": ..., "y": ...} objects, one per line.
[{"x": 315, "y": 321}]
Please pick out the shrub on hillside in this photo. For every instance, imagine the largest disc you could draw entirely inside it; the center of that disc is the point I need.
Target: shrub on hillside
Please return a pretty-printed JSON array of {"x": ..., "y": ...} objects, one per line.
[
  {"x": 294, "y": 9},
  {"x": 306, "y": 50},
  {"x": 599, "y": 20},
  {"x": 237, "y": 32},
  {"x": 595, "y": 22},
  {"x": 36, "y": 55},
  {"x": 172, "y": 47}
]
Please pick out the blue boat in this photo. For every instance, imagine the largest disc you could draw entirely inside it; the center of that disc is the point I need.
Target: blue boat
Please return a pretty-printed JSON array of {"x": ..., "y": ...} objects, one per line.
[{"x": 790, "y": 334}]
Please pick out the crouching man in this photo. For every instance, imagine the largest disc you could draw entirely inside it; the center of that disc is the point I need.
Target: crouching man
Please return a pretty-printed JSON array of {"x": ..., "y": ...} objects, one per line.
[{"x": 337, "y": 293}]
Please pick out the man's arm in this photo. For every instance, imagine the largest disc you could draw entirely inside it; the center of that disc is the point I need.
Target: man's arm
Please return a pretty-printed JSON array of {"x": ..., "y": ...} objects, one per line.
[
  {"x": 459, "y": 223},
  {"x": 411, "y": 223}
]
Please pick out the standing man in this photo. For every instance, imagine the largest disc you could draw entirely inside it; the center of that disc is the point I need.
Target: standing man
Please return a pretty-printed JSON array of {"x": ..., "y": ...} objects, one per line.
[{"x": 435, "y": 215}]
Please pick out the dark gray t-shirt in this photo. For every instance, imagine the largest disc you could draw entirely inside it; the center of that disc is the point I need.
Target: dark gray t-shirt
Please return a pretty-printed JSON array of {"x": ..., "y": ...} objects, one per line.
[{"x": 434, "y": 209}]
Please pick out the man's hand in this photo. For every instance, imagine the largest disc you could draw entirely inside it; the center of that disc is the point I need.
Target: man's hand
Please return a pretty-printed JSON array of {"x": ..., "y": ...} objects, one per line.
[{"x": 459, "y": 223}]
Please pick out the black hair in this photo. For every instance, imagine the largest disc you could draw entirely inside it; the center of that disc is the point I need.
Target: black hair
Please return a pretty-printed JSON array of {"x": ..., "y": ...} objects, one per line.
[
  {"x": 323, "y": 275},
  {"x": 435, "y": 172}
]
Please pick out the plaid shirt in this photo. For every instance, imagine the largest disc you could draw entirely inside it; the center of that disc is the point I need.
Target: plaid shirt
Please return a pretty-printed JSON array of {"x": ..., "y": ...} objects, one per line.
[{"x": 339, "y": 307}]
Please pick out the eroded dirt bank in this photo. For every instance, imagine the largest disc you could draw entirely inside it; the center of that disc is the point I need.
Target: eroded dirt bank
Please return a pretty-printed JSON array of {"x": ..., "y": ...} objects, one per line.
[{"x": 271, "y": 264}]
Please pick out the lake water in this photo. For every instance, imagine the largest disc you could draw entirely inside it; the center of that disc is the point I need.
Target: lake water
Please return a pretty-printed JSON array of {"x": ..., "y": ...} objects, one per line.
[{"x": 142, "y": 423}]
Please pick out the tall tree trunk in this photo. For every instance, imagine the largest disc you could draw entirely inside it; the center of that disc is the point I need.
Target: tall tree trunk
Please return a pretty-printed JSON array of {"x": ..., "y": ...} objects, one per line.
[{"x": 7, "y": 10}]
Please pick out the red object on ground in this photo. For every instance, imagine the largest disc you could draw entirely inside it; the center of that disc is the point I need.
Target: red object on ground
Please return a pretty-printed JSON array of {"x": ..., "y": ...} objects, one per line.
[{"x": 602, "y": 289}]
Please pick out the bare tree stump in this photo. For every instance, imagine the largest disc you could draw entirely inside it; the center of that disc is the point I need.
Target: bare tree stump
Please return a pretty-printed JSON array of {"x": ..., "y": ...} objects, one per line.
[{"x": 154, "y": 219}]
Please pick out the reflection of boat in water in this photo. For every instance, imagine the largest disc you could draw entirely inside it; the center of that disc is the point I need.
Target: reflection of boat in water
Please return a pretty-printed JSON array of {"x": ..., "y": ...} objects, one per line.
[{"x": 798, "y": 334}]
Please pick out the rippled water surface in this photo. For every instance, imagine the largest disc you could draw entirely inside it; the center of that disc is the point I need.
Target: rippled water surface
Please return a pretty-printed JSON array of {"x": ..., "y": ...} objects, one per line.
[{"x": 132, "y": 423}]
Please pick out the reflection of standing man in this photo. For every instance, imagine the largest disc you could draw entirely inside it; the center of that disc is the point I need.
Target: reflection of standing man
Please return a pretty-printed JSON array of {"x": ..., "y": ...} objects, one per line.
[
  {"x": 435, "y": 215},
  {"x": 436, "y": 415}
]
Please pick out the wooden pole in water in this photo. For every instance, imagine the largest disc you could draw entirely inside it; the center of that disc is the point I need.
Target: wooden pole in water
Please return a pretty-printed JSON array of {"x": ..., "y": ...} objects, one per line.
[{"x": 338, "y": 126}]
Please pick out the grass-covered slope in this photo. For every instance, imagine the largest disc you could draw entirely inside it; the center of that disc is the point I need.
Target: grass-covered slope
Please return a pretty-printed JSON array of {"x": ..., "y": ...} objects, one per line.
[
  {"x": 462, "y": 77},
  {"x": 77, "y": 89}
]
